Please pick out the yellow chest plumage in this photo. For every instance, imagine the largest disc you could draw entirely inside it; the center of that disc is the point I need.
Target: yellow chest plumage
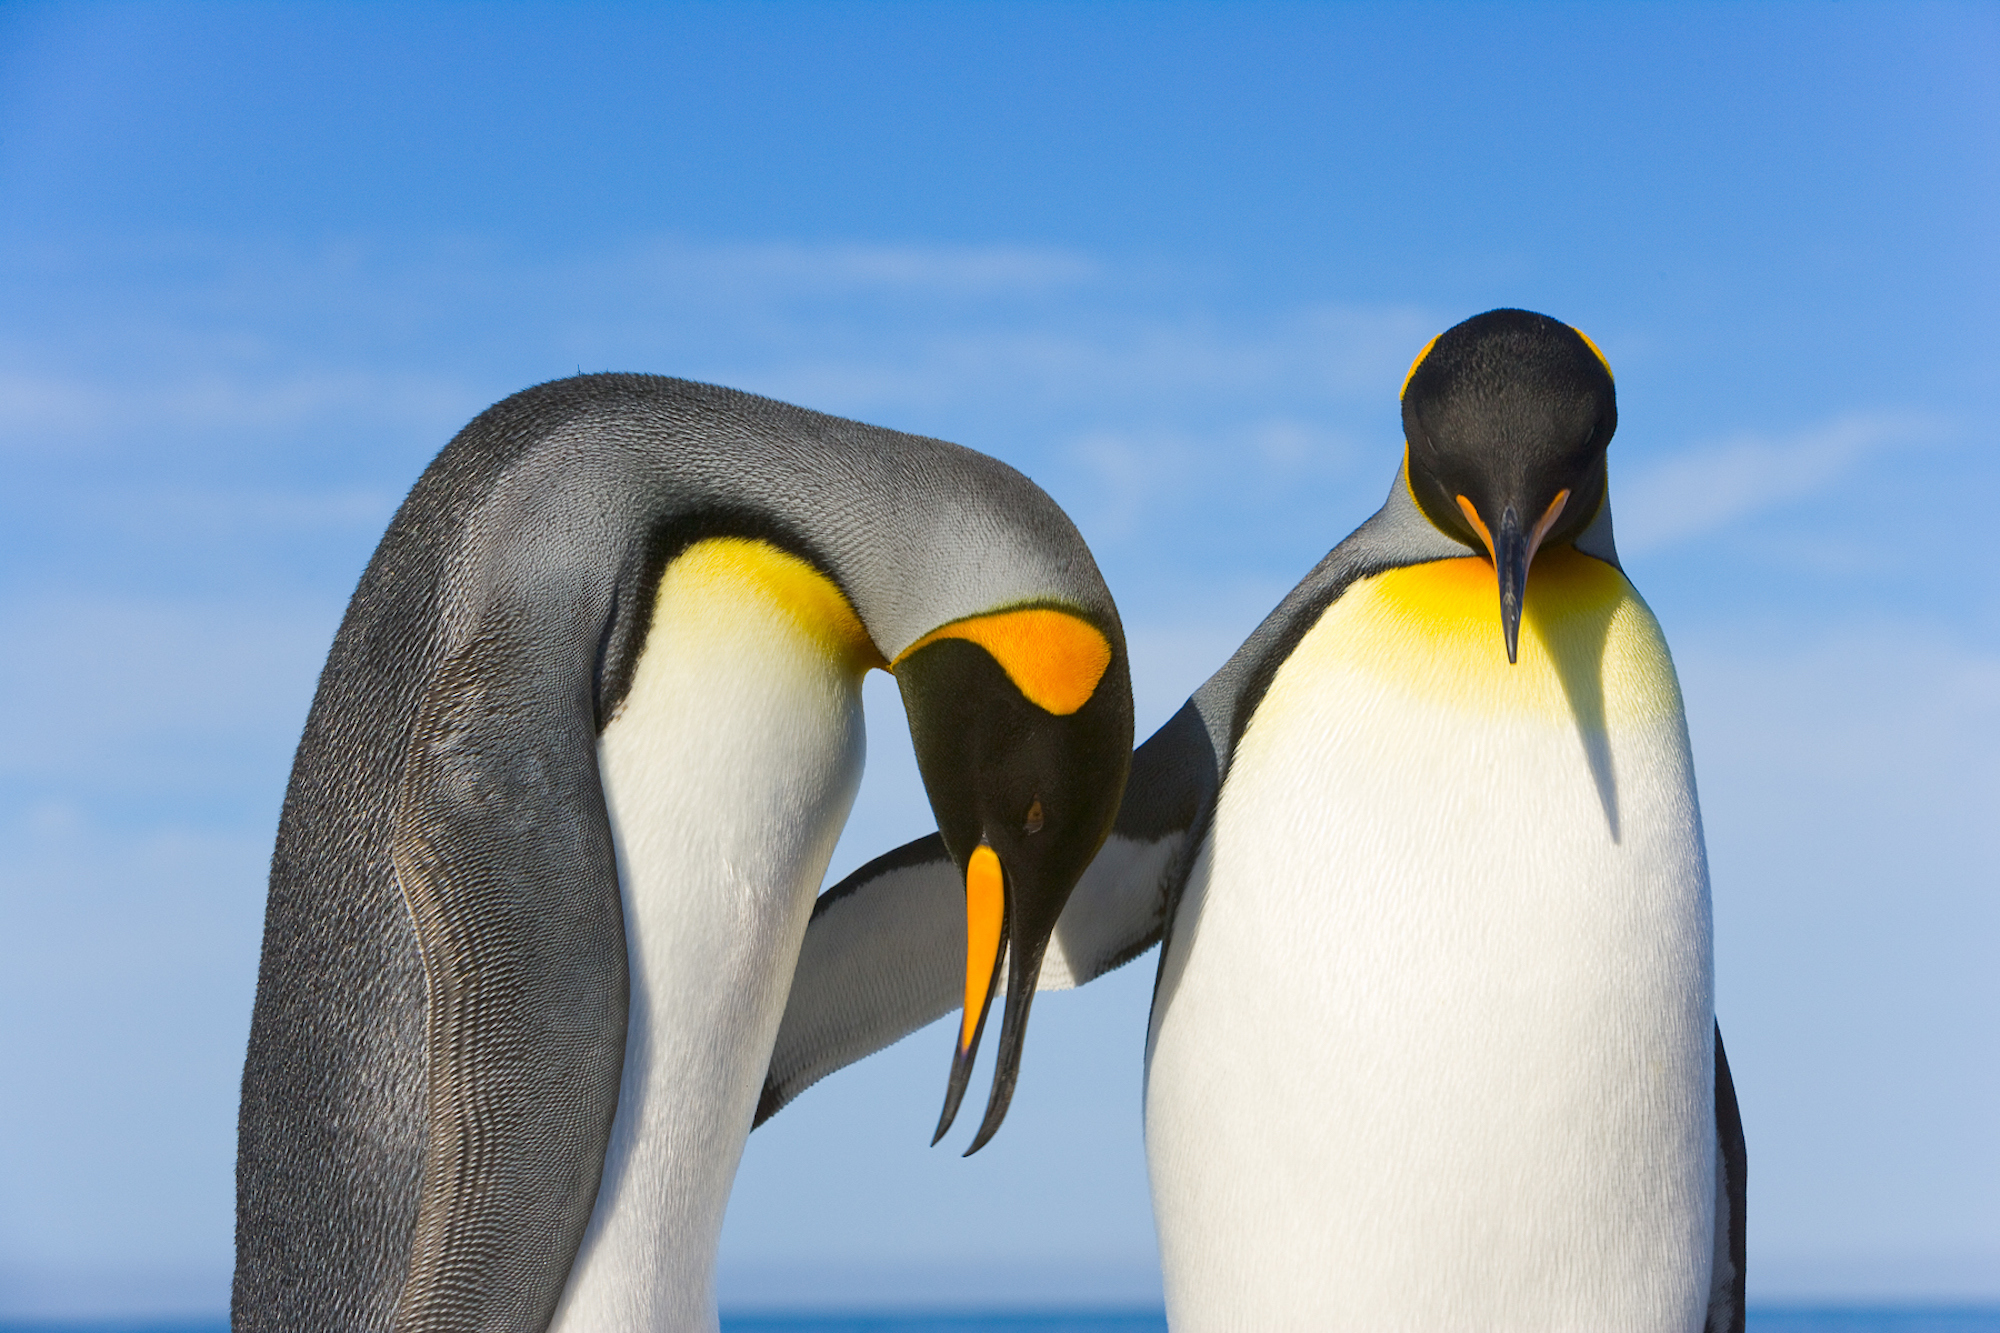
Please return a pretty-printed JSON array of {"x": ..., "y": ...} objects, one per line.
[
  {"x": 737, "y": 577},
  {"x": 1590, "y": 649}
]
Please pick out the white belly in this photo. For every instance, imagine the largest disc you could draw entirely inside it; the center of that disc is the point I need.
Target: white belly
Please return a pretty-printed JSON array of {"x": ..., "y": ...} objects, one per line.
[
  {"x": 1433, "y": 1049},
  {"x": 728, "y": 775}
]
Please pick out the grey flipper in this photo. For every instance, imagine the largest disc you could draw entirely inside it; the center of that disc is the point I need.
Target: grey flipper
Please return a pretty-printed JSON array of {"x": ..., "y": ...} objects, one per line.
[
  {"x": 504, "y": 853},
  {"x": 881, "y": 958},
  {"x": 1725, "y": 1301},
  {"x": 435, "y": 1049},
  {"x": 871, "y": 971}
]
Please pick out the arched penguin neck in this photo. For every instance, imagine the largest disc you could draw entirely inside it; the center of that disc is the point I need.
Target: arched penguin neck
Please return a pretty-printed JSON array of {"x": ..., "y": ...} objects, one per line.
[{"x": 630, "y": 470}]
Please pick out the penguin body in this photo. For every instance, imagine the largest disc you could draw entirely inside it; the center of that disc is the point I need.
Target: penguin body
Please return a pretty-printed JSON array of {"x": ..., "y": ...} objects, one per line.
[
  {"x": 1432, "y": 1044},
  {"x": 575, "y": 767},
  {"x": 1444, "y": 1072}
]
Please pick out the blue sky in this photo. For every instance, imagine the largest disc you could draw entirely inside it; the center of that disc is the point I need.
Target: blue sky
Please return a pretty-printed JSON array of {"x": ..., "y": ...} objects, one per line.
[{"x": 258, "y": 263}]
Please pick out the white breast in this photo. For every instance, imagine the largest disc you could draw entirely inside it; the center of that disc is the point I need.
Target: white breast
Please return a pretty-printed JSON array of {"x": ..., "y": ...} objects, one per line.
[
  {"x": 1433, "y": 1046},
  {"x": 728, "y": 774}
]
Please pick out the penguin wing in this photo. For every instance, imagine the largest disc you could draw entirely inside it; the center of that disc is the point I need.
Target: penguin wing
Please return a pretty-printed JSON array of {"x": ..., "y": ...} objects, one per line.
[
  {"x": 1725, "y": 1300},
  {"x": 503, "y": 852},
  {"x": 881, "y": 958},
  {"x": 884, "y": 953}
]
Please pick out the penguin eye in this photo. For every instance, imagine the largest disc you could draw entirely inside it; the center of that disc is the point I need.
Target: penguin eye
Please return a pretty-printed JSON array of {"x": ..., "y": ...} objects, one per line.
[{"x": 1033, "y": 823}]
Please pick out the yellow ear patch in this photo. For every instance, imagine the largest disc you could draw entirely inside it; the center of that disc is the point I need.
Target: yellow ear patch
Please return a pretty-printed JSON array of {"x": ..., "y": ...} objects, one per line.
[
  {"x": 752, "y": 570},
  {"x": 1411, "y": 373},
  {"x": 1594, "y": 350},
  {"x": 1053, "y": 658}
]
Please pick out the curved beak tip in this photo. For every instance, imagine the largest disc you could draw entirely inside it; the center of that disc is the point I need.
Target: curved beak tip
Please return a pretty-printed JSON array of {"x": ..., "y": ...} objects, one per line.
[
  {"x": 961, "y": 1073},
  {"x": 1007, "y": 1063}
]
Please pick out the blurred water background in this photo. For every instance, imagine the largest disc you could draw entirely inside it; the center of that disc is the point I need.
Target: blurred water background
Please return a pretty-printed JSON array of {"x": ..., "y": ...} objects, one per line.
[{"x": 1767, "y": 1319}]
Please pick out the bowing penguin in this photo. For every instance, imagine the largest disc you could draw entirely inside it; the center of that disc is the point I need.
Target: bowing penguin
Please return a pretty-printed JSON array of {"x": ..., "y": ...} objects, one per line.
[
  {"x": 1433, "y": 1043},
  {"x": 573, "y": 773}
]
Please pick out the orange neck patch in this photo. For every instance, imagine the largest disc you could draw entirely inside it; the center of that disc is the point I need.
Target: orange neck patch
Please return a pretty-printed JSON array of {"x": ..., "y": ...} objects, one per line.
[{"x": 1053, "y": 658}]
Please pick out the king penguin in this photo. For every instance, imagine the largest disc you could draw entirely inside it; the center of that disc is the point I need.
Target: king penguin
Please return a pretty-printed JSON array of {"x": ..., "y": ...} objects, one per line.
[
  {"x": 1433, "y": 1043},
  {"x": 572, "y": 775}
]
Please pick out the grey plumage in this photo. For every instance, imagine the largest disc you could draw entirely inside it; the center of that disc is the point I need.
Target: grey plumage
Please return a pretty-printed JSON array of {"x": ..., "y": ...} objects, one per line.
[{"x": 421, "y": 1137}]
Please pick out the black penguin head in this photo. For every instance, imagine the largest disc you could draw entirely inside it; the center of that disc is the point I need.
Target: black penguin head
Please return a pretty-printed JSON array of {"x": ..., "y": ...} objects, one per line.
[
  {"x": 1507, "y": 417},
  {"x": 1022, "y": 721}
]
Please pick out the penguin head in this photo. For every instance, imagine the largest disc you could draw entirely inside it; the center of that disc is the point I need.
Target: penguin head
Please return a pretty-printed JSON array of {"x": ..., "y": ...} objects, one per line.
[
  {"x": 1022, "y": 720},
  {"x": 1506, "y": 419}
]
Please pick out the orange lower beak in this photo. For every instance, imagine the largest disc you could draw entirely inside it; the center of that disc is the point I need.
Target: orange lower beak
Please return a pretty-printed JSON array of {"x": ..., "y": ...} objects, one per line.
[{"x": 985, "y": 933}]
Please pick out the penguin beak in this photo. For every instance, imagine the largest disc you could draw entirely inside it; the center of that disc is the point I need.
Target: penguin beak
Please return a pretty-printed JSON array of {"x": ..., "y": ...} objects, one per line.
[
  {"x": 1512, "y": 551},
  {"x": 985, "y": 941},
  {"x": 994, "y": 932}
]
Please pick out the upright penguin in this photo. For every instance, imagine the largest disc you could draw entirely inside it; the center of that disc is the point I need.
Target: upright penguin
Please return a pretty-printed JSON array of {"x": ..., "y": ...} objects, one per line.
[
  {"x": 1433, "y": 1041},
  {"x": 576, "y": 764}
]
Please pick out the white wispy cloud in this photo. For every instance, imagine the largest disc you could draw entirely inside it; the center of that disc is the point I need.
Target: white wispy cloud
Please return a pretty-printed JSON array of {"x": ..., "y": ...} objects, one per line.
[
  {"x": 235, "y": 512},
  {"x": 57, "y": 408},
  {"x": 1137, "y": 476},
  {"x": 1139, "y": 361},
  {"x": 157, "y": 698},
  {"x": 262, "y": 338},
  {"x": 1709, "y": 487}
]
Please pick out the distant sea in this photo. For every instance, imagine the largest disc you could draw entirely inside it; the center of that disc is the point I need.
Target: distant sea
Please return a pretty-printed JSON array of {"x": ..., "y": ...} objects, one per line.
[{"x": 1767, "y": 1319}]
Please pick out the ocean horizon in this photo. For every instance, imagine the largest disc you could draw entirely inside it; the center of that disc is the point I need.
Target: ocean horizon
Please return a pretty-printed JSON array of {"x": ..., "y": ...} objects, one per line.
[{"x": 1762, "y": 1319}]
